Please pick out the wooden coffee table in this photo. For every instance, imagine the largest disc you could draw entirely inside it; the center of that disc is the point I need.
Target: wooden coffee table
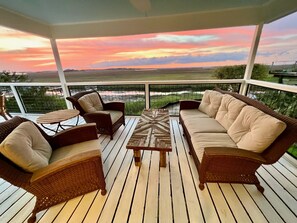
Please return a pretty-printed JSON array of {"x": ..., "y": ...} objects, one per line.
[
  {"x": 152, "y": 132},
  {"x": 56, "y": 117}
]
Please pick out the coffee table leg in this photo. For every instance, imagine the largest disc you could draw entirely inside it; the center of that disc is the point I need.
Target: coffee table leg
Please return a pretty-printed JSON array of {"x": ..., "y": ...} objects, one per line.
[
  {"x": 137, "y": 157},
  {"x": 162, "y": 159}
]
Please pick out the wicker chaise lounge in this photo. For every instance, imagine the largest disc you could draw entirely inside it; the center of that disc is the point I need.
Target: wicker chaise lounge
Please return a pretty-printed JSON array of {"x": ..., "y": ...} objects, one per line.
[
  {"x": 74, "y": 167},
  {"x": 218, "y": 153}
]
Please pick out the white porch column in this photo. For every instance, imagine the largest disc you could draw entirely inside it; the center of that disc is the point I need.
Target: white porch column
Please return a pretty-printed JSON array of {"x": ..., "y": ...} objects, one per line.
[
  {"x": 60, "y": 71},
  {"x": 251, "y": 59}
]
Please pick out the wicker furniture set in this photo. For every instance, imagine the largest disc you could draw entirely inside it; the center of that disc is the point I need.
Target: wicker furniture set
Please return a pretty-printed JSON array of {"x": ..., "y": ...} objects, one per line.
[{"x": 230, "y": 136}]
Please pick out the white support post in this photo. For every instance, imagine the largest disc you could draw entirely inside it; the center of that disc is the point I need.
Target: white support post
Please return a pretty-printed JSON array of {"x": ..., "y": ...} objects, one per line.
[
  {"x": 251, "y": 59},
  {"x": 60, "y": 72},
  {"x": 18, "y": 100},
  {"x": 147, "y": 95}
]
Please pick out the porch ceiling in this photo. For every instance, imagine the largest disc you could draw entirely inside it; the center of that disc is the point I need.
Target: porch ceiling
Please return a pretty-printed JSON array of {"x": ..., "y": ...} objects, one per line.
[{"x": 90, "y": 18}]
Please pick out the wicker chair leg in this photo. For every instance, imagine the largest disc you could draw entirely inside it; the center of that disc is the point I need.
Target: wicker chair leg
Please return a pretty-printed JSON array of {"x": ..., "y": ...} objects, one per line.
[
  {"x": 103, "y": 192},
  {"x": 260, "y": 188},
  {"x": 201, "y": 186},
  {"x": 32, "y": 219}
]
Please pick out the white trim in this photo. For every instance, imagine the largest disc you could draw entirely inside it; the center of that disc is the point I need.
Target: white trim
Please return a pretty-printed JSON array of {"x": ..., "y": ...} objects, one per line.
[
  {"x": 147, "y": 95},
  {"x": 18, "y": 100},
  {"x": 60, "y": 72},
  {"x": 226, "y": 81},
  {"x": 251, "y": 59},
  {"x": 276, "y": 86}
]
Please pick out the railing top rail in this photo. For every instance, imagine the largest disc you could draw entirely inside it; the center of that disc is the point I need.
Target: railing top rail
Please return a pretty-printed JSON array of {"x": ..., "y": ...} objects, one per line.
[
  {"x": 282, "y": 87},
  {"x": 227, "y": 81},
  {"x": 30, "y": 84}
]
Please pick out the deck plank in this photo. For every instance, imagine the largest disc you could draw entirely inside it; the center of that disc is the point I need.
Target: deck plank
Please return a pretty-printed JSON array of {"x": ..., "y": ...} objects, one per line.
[
  {"x": 276, "y": 201},
  {"x": 138, "y": 204},
  {"x": 178, "y": 198},
  {"x": 234, "y": 203},
  {"x": 151, "y": 204},
  {"x": 248, "y": 204},
  {"x": 208, "y": 208},
  {"x": 222, "y": 207},
  {"x": 171, "y": 194},
  {"x": 165, "y": 205},
  {"x": 192, "y": 201}
]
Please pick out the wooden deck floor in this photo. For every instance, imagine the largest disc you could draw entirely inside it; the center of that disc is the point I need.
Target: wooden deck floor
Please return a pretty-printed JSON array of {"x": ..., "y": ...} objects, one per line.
[{"x": 152, "y": 194}]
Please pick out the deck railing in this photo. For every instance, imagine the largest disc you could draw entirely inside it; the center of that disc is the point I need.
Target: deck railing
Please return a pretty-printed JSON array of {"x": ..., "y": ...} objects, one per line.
[
  {"x": 45, "y": 97},
  {"x": 40, "y": 98}
]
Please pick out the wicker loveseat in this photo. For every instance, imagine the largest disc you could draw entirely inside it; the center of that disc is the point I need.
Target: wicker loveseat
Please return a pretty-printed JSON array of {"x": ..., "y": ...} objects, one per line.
[
  {"x": 230, "y": 136},
  {"x": 74, "y": 166},
  {"x": 107, "y": 116}
]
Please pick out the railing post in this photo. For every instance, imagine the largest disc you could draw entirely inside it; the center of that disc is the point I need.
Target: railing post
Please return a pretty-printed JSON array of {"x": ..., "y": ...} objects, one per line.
[
  {"x": 60, "y": 72},
  {"x": 251, "y": 59},
  {"x": 147, "y": 95},
  {"x": 18, "y": 99}
]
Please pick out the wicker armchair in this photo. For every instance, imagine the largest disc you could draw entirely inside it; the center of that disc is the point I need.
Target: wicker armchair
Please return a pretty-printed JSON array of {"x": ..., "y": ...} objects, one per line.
[
  {"x": 108, "y": 119},
  {"x": 62, "y": 179}
]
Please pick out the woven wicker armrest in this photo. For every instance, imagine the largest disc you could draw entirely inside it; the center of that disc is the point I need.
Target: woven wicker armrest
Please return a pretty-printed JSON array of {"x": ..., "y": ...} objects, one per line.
[
  {"x": 188, "y": 104},
  {"x": 65, "y": 165},
  {"x": 232, "y": 153},
  {"x": 74, "y": 135},
  {"x": 117, "y": 106}
]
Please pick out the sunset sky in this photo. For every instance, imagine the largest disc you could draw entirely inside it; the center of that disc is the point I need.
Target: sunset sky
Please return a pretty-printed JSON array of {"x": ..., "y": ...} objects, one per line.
[{"x": 215, "y": 47}]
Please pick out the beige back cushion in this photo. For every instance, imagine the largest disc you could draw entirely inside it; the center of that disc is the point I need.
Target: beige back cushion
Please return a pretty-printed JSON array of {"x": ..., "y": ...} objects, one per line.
[
  {"x": 26, "y": 147},
  {"x": 254, "y": 130},
  {"x": 229, "y": 110},
  {"x": 90, "y": 102},
  {"x": 210, "y": 103}
]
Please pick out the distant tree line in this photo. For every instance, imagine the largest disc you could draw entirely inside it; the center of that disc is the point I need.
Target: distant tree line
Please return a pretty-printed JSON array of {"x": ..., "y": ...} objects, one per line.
[{"x": 6, "y": 76}]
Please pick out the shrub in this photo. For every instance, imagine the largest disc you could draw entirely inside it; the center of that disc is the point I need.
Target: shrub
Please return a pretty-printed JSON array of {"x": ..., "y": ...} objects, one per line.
[{"x": 260, "y": 72}]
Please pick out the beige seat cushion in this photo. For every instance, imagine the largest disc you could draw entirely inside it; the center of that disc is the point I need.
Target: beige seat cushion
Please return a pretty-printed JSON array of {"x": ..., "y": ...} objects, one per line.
[
  {"x": 203, "y": 140},
  {"x": 229, "y": 110},
  {"x": 254, "y": 130},
  {"x": 90, "y": 102},
  {"x": 210, "y": 103},
  {"x": 192, "y": 113},
  {"x": 75, "y": 149},
  {"x": 114, "y": 115},
  {"x": 26, "y": 147},
  {"x": 195, "y": 125}
]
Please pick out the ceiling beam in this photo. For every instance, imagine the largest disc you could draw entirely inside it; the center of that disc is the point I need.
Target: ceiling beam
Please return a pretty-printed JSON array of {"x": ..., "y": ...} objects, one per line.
[
  {"x": 156, "y": 24},
  {"x": 277, "y": 9},
  {"x": 19, "y": 22}
]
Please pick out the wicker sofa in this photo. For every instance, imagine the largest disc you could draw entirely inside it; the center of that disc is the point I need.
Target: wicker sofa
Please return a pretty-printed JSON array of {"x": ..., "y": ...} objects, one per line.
[
  {"x": 74, "y": 165},
  {"x": 230, "y": 136}
]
